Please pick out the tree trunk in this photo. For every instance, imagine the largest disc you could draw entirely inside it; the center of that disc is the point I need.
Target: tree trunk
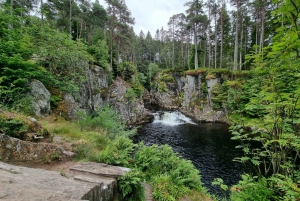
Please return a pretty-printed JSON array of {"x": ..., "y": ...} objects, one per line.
[
  {"x": 236, "y": 43},
  {"x": 256, "y": 36},
  {"x": 111, "y": 51},
  {"x": 173, "y": 44},
  {"x": 70, "y": 19},
  {"x": 222, "y": 30},
  {"x": 209, "y": 35},
  {"x": 241, "y": 52},
  {"x": 216, "y": 42},
  {"x": 10, "y": 26},
  {"x": 196, "y": 44},
  {"x": 42, "y": 14},
  {"x": 262, "y": 29}
]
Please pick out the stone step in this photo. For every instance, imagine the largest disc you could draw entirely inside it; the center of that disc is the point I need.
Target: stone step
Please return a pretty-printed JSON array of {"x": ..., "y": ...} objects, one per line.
[
  {"x": 105, "y": 181},
  {"x": 100, "y": 169}
]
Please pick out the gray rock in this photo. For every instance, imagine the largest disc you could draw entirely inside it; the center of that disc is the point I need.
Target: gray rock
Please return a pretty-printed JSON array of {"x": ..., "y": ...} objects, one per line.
[
  {"x": 15, "y": 150},
  {"x": 23, "y": 184},
  {"x": 41, "y": 98},
  {"x": 210, "y": 84},
  {"x": 130, "y": 112},
  {"x": 69, "y": 107}
]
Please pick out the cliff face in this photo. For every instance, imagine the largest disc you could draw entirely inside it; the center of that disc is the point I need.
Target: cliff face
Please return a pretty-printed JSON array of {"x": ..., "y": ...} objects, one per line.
[
  {"x": 96, "y": 92},
  {"x": 192, "y": 95}
]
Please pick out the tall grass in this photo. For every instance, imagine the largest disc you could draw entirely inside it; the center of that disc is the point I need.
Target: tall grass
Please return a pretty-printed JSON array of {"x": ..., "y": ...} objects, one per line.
[{"x": 87, "y": 144}]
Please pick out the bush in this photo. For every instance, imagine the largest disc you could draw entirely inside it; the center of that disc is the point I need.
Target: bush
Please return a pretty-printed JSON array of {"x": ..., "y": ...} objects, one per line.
[
  {"x": 13, "y": 127},
  {"x": 130, "y": 186},
  {"x": 170, "y": 175},
  {"x": 252, "y": 189},
  {"x": 104, "y": 118},
  {"x": 165, "y": 190},
  {"x": 118, "y": 152}
]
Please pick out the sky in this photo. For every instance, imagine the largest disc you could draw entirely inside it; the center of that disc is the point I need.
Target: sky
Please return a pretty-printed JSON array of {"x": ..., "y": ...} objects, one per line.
[{"x": 151, "y": 15}]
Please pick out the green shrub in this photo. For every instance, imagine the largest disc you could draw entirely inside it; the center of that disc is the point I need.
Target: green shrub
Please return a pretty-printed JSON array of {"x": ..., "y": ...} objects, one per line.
[
  {"x": 252, "y": 189},
  {"x": 171, "y": 175},
  {"x": 167, "y": 78},
  {"x": 130, "y": 95},
  {"x": 24, "y": 105},
  {"x": 118, "y": 152},
  {"x": 130, "y": 186},
  {"x": 164, "y": 189},
  {"x": 13, "y": 127},
  {"x": 104, "y": 118}
]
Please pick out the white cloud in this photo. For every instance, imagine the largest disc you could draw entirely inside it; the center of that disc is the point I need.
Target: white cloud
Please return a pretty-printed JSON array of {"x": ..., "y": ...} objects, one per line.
[{"x": 151, "y": 15}]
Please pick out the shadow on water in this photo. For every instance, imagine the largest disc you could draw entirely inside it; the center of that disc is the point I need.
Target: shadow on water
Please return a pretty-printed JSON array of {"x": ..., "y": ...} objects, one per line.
[{"x": 207, "y": 145}]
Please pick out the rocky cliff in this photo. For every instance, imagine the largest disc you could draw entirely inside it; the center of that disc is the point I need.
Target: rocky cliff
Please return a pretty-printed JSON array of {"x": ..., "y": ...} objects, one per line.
[
  {"x": 192, "y": 94},
  {"x": 96, "y": 92},
  {"x": 93, "y": 94}
]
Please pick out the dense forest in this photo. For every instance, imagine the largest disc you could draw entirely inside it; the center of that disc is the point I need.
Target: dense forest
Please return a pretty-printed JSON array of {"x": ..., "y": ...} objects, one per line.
[{"x": 256, "y": 42}]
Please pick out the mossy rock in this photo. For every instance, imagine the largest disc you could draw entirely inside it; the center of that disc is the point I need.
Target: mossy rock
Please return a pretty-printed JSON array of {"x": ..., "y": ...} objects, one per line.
[
  {"x": 20, "y": 126},
  {"x": 104, "y": 92}
]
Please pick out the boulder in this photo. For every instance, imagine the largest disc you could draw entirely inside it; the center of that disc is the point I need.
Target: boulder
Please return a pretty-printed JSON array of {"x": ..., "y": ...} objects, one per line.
[
  {"x": 67, "y": 108},
  {"x": 22, "y": 183},
  {"x": 41, "y": 98},
  {"x": 16, "y": 150}
]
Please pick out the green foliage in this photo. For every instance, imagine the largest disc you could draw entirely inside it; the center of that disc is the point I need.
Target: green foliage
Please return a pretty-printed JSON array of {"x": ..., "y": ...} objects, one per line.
[
  {"x": 13, "y": 127},
  {"x": 100, "y": 52},
  {"x": 118, "y": 152},
  {"x": 165, "y": 190},
  {"x": 104, "y": 118},
  {"x": 23, "y": 105},
  {"x": 127, "y": 70},
  {"x": 89, "y": 146},
  {"x": 67, "y": 60},
  {"x": 252, "y": 189},
  {"x": 171, "y": 176},
  {"x": 54, "y": 99},
  {"x": 130, "y": 95},
  {"x": 167, "y": 78},
  {"x": 286, "y": 188},
  {"x": 15, "y": 74},
  {"x": 131, "y": 187},
  {"x": 153, "y": 69}
]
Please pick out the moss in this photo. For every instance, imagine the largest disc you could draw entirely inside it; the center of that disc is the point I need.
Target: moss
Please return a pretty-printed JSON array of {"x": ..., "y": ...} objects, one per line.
[
  {"x": 162, "y": 87},
  {"x": 167, "y": 78},
  {"x": 56, "y": 96},
  {"x": 18, "y": 125},
  {"x": 104, "y": 92},
  {"x": 191, "y": 72},
  {"x": 210, "y": 76}
]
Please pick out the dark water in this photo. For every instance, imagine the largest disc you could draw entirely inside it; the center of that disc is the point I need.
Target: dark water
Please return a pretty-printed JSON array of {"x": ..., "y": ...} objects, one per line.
[{"x": 207, "y": 145}]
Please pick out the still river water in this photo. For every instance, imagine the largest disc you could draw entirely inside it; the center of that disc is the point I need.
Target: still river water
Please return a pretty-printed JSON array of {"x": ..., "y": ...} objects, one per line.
[{"x": 207, "y": 145}]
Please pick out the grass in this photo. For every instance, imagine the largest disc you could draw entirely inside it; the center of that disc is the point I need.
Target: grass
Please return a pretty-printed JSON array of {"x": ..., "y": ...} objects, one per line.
[
  {"x": 88, "y": 144},
  {"x": 196, "y": 196}
]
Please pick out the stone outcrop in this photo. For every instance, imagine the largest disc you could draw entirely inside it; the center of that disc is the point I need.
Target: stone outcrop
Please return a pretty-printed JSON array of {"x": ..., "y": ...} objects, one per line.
[
  {"x": 23, "y": 127},
  {"x": 188, "y": 97},
  {"x": 15, "y": 150},
  {"x": 87, "y": 181},
  {"x": 129, "y": 111},
  {"x": 96, "y": 92},
  {"x": 41, "y": 98},
  {"x": 68, "y": 107},
  {"x": 92, "y": 93}
]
